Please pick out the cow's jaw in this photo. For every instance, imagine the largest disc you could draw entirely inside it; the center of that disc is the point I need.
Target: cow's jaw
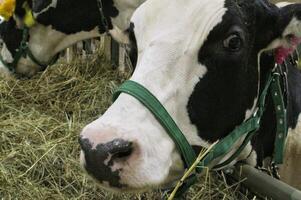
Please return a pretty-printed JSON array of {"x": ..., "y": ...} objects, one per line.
[{"x": 45, "y": 43}]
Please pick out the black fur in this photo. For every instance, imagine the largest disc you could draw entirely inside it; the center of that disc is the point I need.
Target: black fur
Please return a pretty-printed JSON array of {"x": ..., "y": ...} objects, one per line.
[
  {"x": 11, "y": 36},
  {"x": 74, "y": 16},
  {"x": 38, "y": 6},
  {"x": 95, "y": 160},
  {"x": 221, "y": 98}
]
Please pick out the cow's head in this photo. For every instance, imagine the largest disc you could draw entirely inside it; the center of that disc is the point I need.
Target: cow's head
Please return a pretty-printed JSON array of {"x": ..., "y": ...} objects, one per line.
[
  {"x": 58, "y": 24},
  {"x": 200, "y": 59}
]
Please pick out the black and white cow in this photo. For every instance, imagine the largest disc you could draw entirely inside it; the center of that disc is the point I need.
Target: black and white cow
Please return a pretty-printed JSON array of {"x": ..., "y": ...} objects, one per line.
[
  {"x": 59, "y": 24},
  {"x": 200, "y": 59}
]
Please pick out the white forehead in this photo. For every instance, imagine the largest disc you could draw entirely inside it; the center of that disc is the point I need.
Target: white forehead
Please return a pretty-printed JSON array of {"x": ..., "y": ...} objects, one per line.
[{"x": 187, "y": 20}]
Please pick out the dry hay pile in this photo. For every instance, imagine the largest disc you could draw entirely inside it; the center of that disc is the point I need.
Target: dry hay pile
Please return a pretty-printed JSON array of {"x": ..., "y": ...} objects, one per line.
[{"x": 40, "y": 120}]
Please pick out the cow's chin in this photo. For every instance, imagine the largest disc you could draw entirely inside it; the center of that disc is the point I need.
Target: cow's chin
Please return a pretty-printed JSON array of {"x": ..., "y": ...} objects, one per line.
[
  {"x": 136, "y": 179},
  {"x": 165, "y": 185},
  {"x": 27, "y": 69}
]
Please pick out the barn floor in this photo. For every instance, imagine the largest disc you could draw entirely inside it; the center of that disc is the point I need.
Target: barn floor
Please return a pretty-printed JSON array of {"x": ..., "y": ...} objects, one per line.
[{"x": 40, "y": 120}]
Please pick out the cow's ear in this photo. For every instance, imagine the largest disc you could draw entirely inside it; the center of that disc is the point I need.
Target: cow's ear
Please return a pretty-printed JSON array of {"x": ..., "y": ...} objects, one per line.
[{"x": 289, "y": 29}]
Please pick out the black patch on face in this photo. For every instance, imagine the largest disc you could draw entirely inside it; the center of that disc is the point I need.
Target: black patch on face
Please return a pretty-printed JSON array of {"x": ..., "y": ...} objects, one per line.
[
  {"x": 221, "y": 98},
  {"x": 71, "y": 16},
  {"x": 219, "y": 101},
  {"x": 11, "y": 35}
]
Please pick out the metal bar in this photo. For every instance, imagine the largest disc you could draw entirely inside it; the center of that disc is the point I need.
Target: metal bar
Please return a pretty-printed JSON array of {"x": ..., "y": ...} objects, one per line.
[{"x": 266, "y": 185}]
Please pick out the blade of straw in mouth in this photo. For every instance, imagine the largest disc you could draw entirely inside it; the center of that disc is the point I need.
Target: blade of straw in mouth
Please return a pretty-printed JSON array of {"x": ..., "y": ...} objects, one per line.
[{"x": 200, "y": 157}]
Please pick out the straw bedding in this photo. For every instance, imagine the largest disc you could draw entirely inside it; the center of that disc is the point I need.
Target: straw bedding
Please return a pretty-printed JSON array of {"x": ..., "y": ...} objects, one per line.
[{"x": 40, "y": 120}]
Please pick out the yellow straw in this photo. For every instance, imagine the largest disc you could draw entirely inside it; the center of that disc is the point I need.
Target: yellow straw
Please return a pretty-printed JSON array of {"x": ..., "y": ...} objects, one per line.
[{"x": 190, "y": 170}]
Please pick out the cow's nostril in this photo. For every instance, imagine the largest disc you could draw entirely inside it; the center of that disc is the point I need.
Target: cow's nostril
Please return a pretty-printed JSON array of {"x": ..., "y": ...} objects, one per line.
[
  {"x": 84, "y": 144},
  {"x": 123, "y": 154},
  {"x": 120, "y": 148}
]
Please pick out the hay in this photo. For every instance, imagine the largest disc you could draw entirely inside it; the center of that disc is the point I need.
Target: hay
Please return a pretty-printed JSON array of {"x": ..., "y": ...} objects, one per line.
[{"x": 40, "y": 120}]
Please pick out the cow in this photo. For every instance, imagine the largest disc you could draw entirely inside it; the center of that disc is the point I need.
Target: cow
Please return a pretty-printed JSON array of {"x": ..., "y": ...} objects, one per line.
[
  {"x": 206, "y": 62},
  {"x": 59, "y": 24}
]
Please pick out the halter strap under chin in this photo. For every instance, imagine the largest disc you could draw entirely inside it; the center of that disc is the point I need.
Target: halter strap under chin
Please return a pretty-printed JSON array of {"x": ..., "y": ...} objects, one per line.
[
  {"x": 245, "y": 131},
  {"x": 24, "y": 51}
]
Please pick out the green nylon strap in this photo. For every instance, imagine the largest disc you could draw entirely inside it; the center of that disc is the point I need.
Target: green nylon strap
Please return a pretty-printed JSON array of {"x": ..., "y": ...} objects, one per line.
[
  {"x": 157, "y": 109},
  {"x": 19, "y": 53},
  {"x": 24, "y": 50},
  {"x": 43, "y": 65},
  {"x": 247, "y": 129},
  {"x": 281, "y": 117}
]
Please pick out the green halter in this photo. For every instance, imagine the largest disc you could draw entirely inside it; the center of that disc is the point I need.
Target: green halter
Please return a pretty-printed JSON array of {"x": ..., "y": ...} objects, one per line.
[
  {"x": 24, "y": 51},
  {"x": 247, "y": 129}
]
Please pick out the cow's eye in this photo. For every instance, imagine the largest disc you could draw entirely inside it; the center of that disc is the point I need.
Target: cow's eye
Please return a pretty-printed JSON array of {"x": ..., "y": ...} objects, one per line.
[{"x": 233, "y": 42}]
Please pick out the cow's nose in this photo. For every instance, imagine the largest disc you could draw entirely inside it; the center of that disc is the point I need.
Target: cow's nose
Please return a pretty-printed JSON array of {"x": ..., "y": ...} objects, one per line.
[
  {"x": 117, "y": 148},
  {"x": 100, "y": 158}
]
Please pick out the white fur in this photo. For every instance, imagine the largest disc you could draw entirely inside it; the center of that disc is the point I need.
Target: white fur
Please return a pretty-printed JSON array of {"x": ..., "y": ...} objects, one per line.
[
  {"x": 4, "y": 72},
  {"x": 7, "y": 57},
  {"x": 169, "y": 68},
  {"x": 126, "y": 9},
  {"x": 283, "y": 4},
  {"x": 294, "y": 28}
]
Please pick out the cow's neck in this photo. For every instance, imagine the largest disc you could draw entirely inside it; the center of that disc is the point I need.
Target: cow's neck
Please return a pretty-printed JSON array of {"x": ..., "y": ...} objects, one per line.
[{"x": 56, "y": 41}]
